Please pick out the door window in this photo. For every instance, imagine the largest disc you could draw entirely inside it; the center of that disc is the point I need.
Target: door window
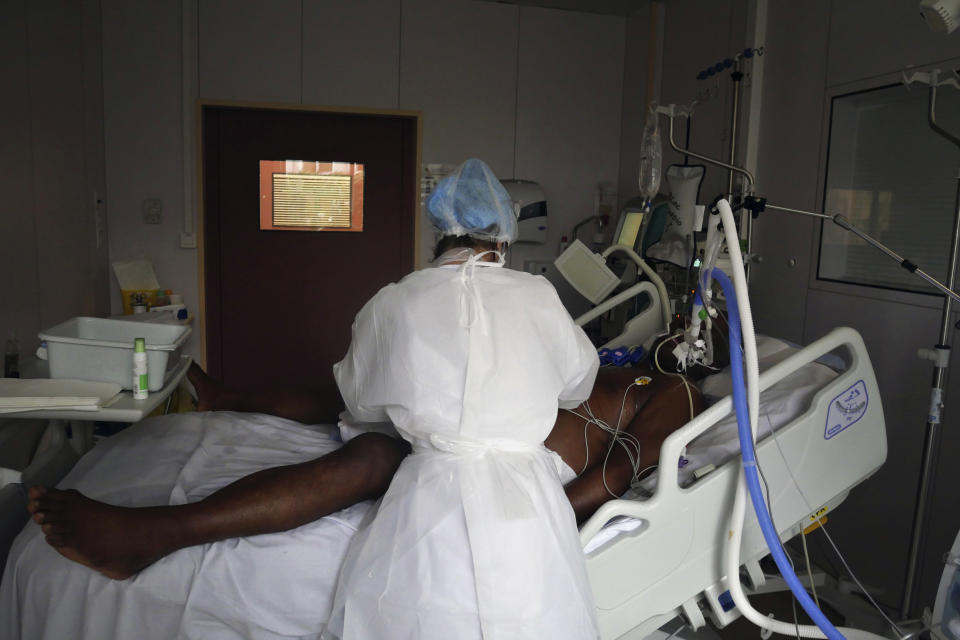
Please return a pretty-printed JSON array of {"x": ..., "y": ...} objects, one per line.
[{"x": 300, "y": 195}]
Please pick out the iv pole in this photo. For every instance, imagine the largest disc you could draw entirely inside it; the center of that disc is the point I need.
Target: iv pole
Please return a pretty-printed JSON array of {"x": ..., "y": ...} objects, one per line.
[
  {"x": 939, "y": 355},
  {"x": 736, "y": 76}
]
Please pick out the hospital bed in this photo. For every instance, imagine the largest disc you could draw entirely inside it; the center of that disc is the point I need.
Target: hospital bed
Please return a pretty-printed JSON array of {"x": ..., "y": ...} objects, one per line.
[
  {"x": 659, "y": 559},
  {"x": 667, "y": 559}
]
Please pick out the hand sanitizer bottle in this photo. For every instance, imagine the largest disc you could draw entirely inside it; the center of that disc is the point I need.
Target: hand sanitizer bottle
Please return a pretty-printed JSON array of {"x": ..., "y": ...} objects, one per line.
[{"x": 140, "y": 383}]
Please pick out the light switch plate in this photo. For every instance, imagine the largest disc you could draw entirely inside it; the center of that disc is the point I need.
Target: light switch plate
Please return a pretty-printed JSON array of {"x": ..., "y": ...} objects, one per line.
[{"x": 152, "y": 210}]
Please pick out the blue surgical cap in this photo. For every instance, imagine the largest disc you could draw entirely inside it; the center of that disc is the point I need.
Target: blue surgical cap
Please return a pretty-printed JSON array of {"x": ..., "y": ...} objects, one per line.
[{"x": 472, "y": 202}]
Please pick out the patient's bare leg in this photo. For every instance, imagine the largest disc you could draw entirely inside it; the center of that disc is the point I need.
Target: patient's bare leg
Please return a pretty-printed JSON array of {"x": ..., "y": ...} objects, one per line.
[{"x": 119, "y": 541}]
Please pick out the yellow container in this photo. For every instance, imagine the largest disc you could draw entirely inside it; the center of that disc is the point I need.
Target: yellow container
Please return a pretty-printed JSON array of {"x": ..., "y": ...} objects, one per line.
[{"x": 149, "y": 296}]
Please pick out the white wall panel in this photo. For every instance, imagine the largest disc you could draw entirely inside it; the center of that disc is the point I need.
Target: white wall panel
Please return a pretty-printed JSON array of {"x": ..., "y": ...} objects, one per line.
[
  {"x": 93, "y": 143},
  {"x": 871, "y": 38},
  {"x": 568, "y": 116},
  {"x": 66, "y": 243},
  {"x": 249, "y": 50},
  {"x": 350, "y": 53},
  {"x": 19, "y": 285},
  {"x": 458, "y": 65},
  {"x": 142, "y": 122},
  {"x": 51, "y": 162},
  {"x": 788, "y": 163},
  {"x": 635, "y": 78}
]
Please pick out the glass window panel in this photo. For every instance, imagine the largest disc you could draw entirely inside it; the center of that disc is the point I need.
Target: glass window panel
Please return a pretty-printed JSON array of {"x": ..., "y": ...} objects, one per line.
[
  {"x": 299, "y": 195},
  {"x": 894, "y": 178}
]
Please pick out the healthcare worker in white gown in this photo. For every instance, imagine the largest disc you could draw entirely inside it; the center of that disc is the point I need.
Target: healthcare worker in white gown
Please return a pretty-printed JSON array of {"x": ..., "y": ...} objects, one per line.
[{"x": 470, "y": 362}]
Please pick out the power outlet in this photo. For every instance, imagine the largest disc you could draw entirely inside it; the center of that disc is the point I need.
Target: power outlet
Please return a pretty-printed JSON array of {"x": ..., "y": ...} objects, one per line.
[
  {"x": 537, "y": 267},
  {"x": 152, "y": 210}
]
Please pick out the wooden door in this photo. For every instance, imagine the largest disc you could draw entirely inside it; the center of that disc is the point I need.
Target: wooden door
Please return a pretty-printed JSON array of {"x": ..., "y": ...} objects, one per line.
[{"x": 279, "y": 304}]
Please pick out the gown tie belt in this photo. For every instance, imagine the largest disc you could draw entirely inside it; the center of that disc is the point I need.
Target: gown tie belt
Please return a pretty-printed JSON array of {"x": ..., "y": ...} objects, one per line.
[{"x": 474, "y": 448}]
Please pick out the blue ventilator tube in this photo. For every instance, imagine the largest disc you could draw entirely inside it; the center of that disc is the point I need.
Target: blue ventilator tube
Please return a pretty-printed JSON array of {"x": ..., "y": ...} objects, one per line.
[{"x": 750, "y": 466}]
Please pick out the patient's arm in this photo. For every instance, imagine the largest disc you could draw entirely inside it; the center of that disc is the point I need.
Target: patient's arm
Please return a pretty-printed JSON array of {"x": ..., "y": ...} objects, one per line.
[
  {"x": 305, "y": 406},
  {"x": 119, "y": 541}
]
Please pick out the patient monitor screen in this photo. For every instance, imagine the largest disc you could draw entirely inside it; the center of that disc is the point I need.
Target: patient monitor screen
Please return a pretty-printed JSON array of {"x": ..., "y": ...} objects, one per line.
[{"x": 630, "y": 228}]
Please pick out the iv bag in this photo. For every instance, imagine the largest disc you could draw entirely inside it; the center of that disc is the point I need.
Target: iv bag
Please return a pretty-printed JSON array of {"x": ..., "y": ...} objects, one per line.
[{"x": 651, "y": 155}]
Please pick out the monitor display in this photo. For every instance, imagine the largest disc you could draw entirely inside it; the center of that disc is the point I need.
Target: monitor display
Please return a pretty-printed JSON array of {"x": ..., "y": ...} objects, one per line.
[{"x": 629, "y": 228}]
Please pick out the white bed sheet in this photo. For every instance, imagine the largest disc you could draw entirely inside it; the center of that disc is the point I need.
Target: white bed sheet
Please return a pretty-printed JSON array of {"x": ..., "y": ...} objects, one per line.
[
  {"x": 778, "y": 405},
  {"x": 269, "y": 586}
]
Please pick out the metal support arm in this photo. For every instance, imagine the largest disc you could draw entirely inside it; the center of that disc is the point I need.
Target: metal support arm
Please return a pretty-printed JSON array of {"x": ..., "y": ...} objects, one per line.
[
  {"x": 843, "y": 222},
  {"x": 671, "y": 113}
]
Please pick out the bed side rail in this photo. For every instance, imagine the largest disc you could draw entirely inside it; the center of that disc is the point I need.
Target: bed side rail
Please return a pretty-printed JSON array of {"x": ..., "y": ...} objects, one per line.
[{"x": 667, "y": 483}]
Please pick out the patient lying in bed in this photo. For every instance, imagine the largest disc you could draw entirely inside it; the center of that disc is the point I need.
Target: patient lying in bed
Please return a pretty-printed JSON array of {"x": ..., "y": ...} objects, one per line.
[
  {"x": 263, "y": 586},
  {"x": 119, "y": 541},
  {"x": 316, "y": 477}
]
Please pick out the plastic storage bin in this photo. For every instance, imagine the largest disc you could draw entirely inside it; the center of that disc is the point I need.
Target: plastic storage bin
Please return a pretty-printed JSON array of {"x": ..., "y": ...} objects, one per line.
[{"x": 101, "y": 349}]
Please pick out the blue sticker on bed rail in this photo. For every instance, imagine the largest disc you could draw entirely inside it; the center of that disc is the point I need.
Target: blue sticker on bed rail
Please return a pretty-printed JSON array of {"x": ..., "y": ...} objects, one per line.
[{"x": 846, "y": 409}]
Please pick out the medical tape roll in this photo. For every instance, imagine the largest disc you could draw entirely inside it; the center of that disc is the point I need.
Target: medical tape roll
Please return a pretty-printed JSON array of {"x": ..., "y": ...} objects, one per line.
[{"x": 676, "y": 245}]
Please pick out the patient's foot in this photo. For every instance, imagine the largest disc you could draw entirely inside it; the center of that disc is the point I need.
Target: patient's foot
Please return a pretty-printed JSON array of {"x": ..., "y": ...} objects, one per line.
[
  {"x": 208, "y": 389},
  {"x": 116, "y": 541}
]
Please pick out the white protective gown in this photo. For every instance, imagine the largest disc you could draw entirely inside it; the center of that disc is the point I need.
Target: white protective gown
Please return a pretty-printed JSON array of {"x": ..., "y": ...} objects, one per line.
[{"x": 475, "y": 537}]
